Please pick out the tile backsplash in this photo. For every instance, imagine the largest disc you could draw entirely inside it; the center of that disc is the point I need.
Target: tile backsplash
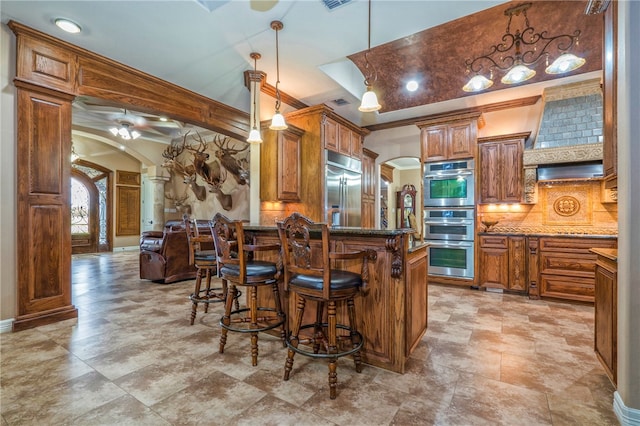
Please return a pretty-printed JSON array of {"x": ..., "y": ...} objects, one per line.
[{"x": 566, "y": 207}]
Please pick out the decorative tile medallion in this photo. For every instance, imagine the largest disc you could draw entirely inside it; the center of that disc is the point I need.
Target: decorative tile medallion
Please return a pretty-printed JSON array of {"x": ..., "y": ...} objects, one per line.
[
  {"x": 566, "y": 206},
  {"x": 563, "y": 209}
]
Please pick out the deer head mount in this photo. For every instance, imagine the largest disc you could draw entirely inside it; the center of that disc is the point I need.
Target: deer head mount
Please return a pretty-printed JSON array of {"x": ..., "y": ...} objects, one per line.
[
  {"x": 180, "y": 203},
  {"x": 214, "y": 174}
]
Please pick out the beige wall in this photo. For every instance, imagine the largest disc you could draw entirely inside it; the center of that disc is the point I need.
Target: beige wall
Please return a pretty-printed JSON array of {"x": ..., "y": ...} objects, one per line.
[{"x": 8, "y": 175}]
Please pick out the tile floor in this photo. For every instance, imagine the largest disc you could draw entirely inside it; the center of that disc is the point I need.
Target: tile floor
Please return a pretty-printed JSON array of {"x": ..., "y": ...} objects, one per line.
[{"x": 131, "y": 358}]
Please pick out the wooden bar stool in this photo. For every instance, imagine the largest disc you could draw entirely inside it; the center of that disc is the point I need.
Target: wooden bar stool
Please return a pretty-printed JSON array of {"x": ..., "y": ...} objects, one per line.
[
  {"x": 308, "y": 273},
  {"x": 202, "y": 255},
  {"x": 239, "y": 268}
]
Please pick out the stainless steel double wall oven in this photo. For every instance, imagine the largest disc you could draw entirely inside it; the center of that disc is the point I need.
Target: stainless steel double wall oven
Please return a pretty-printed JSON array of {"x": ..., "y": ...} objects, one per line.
[{"x": 449, "y": 217}]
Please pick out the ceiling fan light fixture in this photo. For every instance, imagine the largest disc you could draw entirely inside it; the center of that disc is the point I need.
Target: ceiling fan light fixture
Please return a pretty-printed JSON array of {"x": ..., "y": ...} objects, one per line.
[
  {"x": 565, "y": 63},
  {"x": 125, "y": 132},
  {"x": 477, "y": 83}
]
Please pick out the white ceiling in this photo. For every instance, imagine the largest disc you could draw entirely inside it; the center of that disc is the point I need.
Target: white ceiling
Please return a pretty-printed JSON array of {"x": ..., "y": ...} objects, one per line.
[{"x": 208, "y": 51}]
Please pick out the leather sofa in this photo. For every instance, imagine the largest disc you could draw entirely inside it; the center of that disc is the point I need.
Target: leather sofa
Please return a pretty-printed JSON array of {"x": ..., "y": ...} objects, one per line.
[{"x": 164, "y": 255}]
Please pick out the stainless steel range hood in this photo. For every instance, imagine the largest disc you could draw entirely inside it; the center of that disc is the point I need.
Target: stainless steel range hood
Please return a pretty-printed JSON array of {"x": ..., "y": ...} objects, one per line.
[{"x": 570, "y": 171}]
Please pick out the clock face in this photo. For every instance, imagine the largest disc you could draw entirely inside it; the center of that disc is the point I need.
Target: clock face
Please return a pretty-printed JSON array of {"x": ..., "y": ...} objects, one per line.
[{"x": 408, "y": 200}]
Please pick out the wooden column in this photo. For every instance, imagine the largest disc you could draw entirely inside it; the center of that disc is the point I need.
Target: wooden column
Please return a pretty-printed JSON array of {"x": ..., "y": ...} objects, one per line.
[{"x": 44, "y": 166}]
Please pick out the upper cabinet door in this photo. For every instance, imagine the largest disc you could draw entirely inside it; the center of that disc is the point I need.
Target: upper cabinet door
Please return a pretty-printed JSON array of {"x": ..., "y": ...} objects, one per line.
[
  {"x": 461, "y": 140},
  {"x": 501, "y": 170},
  {"x": 449, "y": 140},
  {"x": 512, "y": 172},
  {"x": 434, "y": 143},
  {"x": 331, "y": 135}
]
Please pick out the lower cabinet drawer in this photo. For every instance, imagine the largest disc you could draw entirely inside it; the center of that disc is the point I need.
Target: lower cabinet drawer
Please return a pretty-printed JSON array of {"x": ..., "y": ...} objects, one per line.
[
  {"x": 567, "y": 287},
  {"x": 576, "y": 265}
]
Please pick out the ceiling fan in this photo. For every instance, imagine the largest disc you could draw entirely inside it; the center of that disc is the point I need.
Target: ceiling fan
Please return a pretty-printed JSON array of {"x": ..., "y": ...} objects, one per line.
[{"x": 125, "y": 123}]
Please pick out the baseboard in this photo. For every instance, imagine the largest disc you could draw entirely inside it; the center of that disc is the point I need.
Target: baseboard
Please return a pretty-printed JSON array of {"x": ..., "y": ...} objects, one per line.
[
  {"x": 6, "y": 325},
  {"x": 627, "y": 416}
]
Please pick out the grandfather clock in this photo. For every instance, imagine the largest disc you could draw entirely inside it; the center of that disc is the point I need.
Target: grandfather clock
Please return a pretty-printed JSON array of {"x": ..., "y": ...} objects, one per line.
[{"x": 406, "y": 205}]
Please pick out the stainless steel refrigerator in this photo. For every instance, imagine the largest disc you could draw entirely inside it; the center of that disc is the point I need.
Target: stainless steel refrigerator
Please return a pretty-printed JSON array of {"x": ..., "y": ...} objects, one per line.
[{"x": 343, "y": 190}]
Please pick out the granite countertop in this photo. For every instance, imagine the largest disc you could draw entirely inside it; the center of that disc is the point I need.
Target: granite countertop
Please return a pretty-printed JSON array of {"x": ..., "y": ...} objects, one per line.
[
  {"x": 609, "y": 253},
  {"x": 417, "y": 245},
  {"x": 339, "y": 230},
  {"x": 553, "y": 231}
]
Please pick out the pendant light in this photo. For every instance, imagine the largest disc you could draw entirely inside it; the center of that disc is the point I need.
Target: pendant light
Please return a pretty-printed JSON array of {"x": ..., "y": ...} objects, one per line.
[
  {"x": 254, "y": 134},
  {"x": 277, "y": 122},
  {"x": 369, "y": 99}
]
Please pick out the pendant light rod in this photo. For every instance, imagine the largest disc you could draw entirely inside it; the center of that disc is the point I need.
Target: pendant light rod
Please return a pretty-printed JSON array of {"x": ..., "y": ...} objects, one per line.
[
  {"x": 277, "y": 122},
  {"x": 254, "y": 134},
  {"x": 277, "y": 26},
  {"x": 369, "y": 99}
]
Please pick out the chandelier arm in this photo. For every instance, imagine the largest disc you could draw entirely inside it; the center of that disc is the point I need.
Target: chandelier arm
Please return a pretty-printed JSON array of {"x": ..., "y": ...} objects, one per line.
[{"x": 562, "y": 42}]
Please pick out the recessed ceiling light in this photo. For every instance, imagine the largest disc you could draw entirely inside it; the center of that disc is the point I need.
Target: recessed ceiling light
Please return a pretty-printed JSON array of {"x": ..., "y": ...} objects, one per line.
[
  {"x": 412, "y": 86},
  {"x": 68, "y": 25}
]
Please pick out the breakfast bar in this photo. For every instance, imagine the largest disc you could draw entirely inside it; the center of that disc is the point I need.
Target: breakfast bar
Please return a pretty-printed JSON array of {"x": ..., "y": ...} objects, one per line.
[{"x": 392, "y": 315}]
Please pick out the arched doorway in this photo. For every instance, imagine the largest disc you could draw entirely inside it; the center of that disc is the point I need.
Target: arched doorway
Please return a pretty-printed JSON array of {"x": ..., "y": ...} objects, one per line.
[{"x": 90, "y": 208}]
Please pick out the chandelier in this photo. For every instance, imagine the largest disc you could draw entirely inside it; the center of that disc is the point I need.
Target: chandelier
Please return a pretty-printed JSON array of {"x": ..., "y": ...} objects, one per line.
[
  {"x": 520, "y": 50},
  {"x": 125, "y": 131}
]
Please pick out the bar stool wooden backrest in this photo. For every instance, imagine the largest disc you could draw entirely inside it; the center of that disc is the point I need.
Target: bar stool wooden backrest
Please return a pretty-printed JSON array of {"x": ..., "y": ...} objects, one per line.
[{"x": 309, "y": 273}]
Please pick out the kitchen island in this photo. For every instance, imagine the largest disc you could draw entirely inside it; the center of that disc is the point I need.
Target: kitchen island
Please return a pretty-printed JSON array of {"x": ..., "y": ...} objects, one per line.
[{"x": 392, "y": 315}]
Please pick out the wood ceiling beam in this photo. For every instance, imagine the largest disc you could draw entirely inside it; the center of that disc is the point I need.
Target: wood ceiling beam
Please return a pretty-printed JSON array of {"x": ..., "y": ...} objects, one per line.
[{"x": 497, "y": 106}]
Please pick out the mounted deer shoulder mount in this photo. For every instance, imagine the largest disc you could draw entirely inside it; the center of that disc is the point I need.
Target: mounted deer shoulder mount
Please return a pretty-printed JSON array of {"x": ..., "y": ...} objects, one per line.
[
  {"x": 178, "y": 168},
  {"x": 226, "y": 155}
]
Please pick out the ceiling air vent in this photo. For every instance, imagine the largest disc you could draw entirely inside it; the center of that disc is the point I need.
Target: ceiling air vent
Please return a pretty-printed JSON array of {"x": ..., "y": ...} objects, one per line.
[
  {"x": 333, "y": 4},
  {"x": 340, "y": 102},
  {"x": 211, "y": 5}
]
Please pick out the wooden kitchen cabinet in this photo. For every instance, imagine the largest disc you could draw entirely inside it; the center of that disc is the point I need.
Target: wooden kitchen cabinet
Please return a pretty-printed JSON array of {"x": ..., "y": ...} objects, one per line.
[
  {"x": 317, "y": 127},
  {"x": 501, "y": 168},
  {"x": 342, "y": 138},
  {"x": 369, "y": 179},
  {"x": 449, "y": 137},
  {"x": 606, "y": 311},
  {"x": 567, "y": 267},
  {"x": 417, "y": 298},
  {"x": 502, "y": 262},
  {"x": 282, "y": 149}
]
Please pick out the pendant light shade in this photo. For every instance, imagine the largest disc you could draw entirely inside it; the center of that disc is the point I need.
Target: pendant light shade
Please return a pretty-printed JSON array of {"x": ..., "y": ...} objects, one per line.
[
  {"x": 369, "y": 99},
  {"x": 277, "y": 122},
  {"x": 477, "y": 83},
  {"x": 254, "y": 134},
  {"x": 565, "y": 63},
  {"x": 518, "y": 74}
]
